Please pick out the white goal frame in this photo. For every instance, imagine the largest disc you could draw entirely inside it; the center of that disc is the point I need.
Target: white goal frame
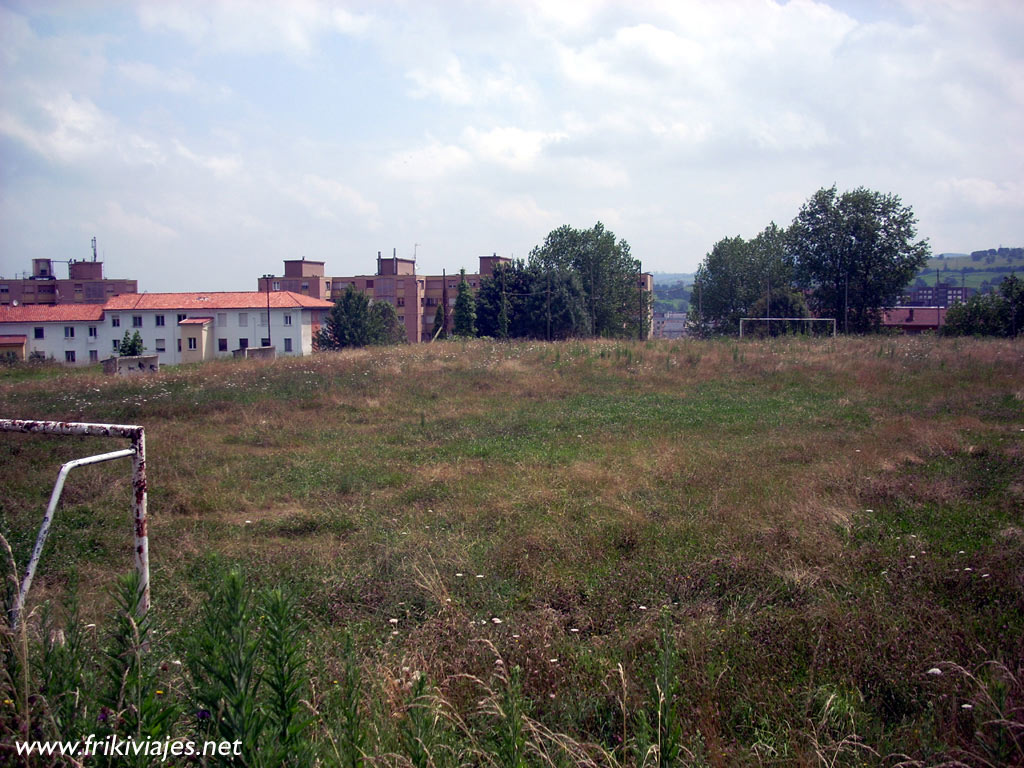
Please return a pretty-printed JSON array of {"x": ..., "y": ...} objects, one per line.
[{"x": 797, "y": 319}]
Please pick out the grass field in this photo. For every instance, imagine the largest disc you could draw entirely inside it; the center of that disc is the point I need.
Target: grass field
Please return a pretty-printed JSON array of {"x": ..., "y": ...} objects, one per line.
[{"x": 647, "y": 553}]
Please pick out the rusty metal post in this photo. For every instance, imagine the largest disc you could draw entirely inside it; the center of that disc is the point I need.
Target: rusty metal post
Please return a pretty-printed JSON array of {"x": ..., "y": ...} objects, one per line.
[{"x": 131, "y": 432}]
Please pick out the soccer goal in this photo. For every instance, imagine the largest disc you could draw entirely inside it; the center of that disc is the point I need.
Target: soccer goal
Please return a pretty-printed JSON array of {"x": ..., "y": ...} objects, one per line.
[{"x": 804, "y": 321}]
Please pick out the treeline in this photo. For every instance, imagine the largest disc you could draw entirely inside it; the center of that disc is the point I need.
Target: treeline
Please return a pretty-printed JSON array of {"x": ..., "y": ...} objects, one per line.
[
  {"x": 579, "y": 283},
  {"x": 845, "y": 256},
  {"x": 1000, "y": 313}
]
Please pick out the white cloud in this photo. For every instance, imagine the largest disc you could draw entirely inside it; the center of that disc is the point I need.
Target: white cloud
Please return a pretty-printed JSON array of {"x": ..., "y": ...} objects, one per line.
[
  {"x": 514, "y": 148},
  {"x": 136, "y": 226},
  {"x": 219, "y": 165},
  {"x": 432, "y": 162},
  {"x": 331, "y": 200}
]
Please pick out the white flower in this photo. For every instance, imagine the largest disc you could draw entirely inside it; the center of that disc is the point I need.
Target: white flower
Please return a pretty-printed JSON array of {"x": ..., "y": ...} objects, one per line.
[
  {"x": 496, "y": 620},
  {"x": 935, "y": 671},
  {"x": 966, "y": 706},
  {"x": 392, "y": 621}
]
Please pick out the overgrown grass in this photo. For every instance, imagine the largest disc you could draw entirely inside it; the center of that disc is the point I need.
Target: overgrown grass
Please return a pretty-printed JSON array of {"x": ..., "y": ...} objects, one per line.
[{"x": 679, "y": 552}]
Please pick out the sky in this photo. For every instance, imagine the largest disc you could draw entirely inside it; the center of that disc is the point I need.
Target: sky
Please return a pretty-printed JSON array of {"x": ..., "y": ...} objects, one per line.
[{"x": 202, "y": 143}]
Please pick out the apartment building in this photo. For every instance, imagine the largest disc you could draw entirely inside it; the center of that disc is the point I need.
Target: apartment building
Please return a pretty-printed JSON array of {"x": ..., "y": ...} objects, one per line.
[
  {"x": 180, "y": 327},
  {"x": 85, "y": 285},
  {"x": 415, "y": 297}
]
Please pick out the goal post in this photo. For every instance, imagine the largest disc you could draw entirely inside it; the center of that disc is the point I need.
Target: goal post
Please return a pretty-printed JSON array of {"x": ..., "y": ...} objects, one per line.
[{"x": 805, "y": 320}]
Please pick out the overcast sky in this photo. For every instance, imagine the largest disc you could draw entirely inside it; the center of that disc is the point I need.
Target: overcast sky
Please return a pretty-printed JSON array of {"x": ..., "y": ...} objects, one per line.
[{"x": 202, "y": 143}]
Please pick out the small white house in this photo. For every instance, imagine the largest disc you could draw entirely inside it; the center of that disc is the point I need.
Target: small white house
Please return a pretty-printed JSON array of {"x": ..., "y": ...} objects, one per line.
[{"x": 179, "y": 327}]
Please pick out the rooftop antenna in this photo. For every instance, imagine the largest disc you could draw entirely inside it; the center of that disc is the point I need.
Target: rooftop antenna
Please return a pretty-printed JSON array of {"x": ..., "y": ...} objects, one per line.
[
  {"x": 94, "y": 249},
  {"x": 414, "y": 247}
]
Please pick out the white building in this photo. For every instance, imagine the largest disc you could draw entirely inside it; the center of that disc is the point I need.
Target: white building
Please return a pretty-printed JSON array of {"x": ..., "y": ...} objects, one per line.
[{"x": 180, "y": 327}]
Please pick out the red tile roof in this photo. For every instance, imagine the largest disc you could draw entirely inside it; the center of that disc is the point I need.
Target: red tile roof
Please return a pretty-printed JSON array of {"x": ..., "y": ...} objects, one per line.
[
  {"x": 12, "y": 339},
  {"x": 51, "y": 313},
  {"x": 196, "y": 321},
  {"x": 214, "y": 300}
]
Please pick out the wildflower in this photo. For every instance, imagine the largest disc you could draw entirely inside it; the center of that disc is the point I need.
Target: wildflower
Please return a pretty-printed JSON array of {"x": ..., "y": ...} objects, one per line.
[
  {"x": 392, "y": 621},
  {"x": 934, "y": 671},
  {"x": 159, "y": 692},
  {"x": 203, "y": 714},
  {"x": 496, "y": 620},
  {"x": 984, "y": 575},
  {"x": 459, "y": 575},
  {"x": 574, "y": 630},
  {"x": 966, "y": 706},
  {"x": 553, "y": 661},
  {"x": 643, "y": 607},
  {"x": 479, "y": 575},
  {"x": 8, "y": 703}
]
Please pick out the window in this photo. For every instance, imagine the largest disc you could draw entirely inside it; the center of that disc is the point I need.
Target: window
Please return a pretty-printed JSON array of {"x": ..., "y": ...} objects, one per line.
[
  {"x": 222, "y": 345},
  {"x": 69, "y": 331},
  {"x": 264, "y": 342},
  {"x": 136, "y": 321},
  {"x": 179, "y": 345},
  {"x": 92, "y": 331},
  {"x": 4, "y": 289},
  {"x": 115, "y": 321},
  {"x": 277, "y": 285},
  {"x": 69, "y": 356},
  {"x": 305, "y": 286},
  {"x": 117, "y": 345},
  {"x": 94, "y": 356},
  {"x": 243, "y": 319},
  {"x": 222, "y": 319},
  {"x": 243, "y": 343},
  {"x": 400, "y": 301},
  {"x": 159, "y": 321},
  {"x": 192, "y": 343},
  {"x": 263, "y": 320},
  {"x": 369, "y": 283},
  {"x": 181, "y": 317},
  {"x": 37, "y": 333},
  {"x": 287, "y": 345},
  {"x": 161, "y": 345},
  {"x": 328, "y": 286},
  {"x": 287, "y": 319}
]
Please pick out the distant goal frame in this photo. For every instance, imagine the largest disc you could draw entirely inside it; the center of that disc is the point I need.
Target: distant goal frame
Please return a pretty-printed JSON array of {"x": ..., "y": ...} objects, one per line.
[{"x": 789, "y": 319}]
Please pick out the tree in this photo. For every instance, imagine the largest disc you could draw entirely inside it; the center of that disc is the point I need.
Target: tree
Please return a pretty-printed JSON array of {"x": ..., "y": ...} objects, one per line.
[
  {"x": 439, "y": 319},
  {"x": 741, "y": 278},
  {"x": 607, "y": 272},
  {"x": 351, "y": 322},
  {"x": 385, "y": 327},
  {"x": 131, "y": 345},
  {"x": 522, "y": 300},
  {"x": 465, "y": 309},
  {"x": 1000, "y": 313},
  {"x": 854, "y": 253}
]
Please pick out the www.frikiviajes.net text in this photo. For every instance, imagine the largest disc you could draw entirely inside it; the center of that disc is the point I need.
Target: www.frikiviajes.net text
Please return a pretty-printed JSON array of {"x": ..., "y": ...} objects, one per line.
[{"x": 115, "y": 746}]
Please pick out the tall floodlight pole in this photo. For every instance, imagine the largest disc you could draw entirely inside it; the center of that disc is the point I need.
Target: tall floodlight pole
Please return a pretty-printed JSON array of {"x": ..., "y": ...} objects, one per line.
[{"x": 266, "y": 280}]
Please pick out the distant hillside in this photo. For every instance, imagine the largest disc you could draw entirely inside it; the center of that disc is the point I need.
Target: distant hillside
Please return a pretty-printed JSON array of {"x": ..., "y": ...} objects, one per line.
[
  {"x": 981, "y": 270},
  {"x": 670, "y": 278}
]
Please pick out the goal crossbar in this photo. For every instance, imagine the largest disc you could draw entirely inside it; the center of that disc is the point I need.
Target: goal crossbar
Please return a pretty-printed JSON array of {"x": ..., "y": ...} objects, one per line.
[{"x": 769, "y": 320}]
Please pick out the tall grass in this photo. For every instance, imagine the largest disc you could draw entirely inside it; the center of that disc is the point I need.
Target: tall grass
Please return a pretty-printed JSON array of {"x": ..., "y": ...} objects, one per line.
[{"x": 680, "y": 552}]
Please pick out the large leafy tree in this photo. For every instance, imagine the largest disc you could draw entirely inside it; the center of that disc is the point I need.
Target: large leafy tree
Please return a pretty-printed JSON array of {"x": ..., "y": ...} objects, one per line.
[
  {"x": 854, "y": 253},
  {"x": 607, "y": 272},
  {"x": 528, "y": 301},
  {"x": 742, "y": 278},
  {"x": 352, "y": 322}
]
